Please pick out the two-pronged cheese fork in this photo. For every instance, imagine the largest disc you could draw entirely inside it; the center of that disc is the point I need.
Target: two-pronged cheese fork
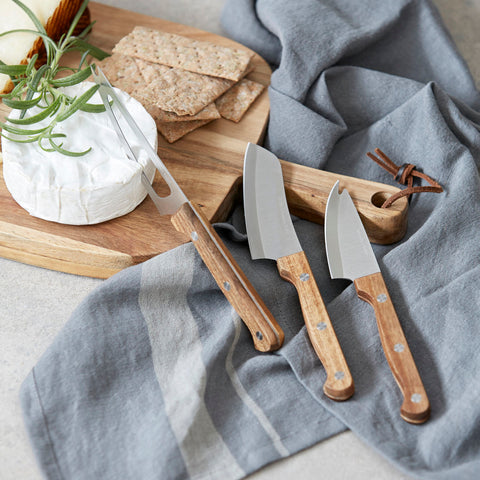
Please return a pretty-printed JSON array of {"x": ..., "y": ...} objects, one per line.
[{"x": 187, "y": 218}]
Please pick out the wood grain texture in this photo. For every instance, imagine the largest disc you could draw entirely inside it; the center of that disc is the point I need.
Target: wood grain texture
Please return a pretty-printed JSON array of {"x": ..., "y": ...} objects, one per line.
[
  {"x": 207, "y": 165},
  {"x": 266, "y": 333},
  {"x": 296, "y": 270},
  {"x": 415, "y": 407}
]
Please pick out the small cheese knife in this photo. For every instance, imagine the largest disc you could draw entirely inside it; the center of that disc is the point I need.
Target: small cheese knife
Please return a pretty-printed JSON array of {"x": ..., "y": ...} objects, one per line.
[
  {"x": 187, "y": 218},
  {"x": 351, "y": 256},
  {"x": 271, "y": 235}
]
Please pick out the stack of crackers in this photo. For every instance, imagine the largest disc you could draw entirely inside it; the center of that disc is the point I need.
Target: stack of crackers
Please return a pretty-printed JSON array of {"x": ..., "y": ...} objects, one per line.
[{"x": 183, "y": 83}]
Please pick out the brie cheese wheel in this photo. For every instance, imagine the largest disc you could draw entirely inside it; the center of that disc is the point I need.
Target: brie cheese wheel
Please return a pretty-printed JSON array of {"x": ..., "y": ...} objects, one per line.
[{"x": 98, "y": 186}]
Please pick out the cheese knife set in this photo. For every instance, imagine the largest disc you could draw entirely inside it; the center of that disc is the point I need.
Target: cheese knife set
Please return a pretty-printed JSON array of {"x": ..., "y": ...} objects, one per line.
[{"x": 271, "y": 235}]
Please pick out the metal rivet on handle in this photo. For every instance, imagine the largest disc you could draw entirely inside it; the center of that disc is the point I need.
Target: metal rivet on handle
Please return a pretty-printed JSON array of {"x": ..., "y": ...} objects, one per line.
[
  {"x": 226, "y": 286},
  {"x": 321, "y": 325},
  {"x": 382, "y": 298},
  {"x": 304, "y": 277},
  {"x": 416, "y": 398},
  {"x": 259, "y": 335},
  {"x": 194, "y": 236},
  {"x": 339, "y": 375},
  {"x": 399, "y": 347}
]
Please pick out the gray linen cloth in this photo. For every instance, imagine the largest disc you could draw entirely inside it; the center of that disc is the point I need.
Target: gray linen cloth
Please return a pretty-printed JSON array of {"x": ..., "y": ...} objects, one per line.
[{"x": 155, "y": 376}]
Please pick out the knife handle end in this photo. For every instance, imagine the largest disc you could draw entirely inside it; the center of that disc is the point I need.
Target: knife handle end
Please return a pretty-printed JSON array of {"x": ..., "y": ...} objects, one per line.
[
  {"x": 266, "y": 333},
  {"x": 416, "y": 406}
]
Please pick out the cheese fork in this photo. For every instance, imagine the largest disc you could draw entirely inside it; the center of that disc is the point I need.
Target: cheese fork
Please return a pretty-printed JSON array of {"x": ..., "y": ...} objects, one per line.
[{"x": 188, "y": 219}]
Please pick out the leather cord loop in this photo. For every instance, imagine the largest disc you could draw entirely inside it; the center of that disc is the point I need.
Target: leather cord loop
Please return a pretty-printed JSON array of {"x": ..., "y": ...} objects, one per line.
[{"x": 405, "y": 175}]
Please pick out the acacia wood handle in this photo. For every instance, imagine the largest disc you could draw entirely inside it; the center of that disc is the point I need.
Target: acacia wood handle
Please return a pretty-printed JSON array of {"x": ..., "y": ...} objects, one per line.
[
  {"x": 296, "y": 269},
  {"x": 267, "y": 334},
  {"x": 415, "y": 407}
]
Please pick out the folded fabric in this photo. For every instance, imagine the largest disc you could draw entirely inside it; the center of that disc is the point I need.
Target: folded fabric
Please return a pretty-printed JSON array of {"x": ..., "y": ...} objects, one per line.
[{"x": 155, "y": 376}]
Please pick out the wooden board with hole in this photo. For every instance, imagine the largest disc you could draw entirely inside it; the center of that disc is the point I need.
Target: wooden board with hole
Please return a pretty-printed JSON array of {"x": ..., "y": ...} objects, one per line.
[{"x": 207, "y": 165}]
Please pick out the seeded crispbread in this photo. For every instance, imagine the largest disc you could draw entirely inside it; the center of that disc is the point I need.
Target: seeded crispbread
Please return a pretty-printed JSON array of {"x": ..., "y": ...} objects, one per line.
[
  {"x": 233, "y": 104},
  {"x": 179, "y": 100},
  {"x": 182, "y": 52},
  {"x": 180, "y": 91},
  {"x": 173, "y": 131},
  {"x": 210, "y": 112},
  {"x": 124, "y": 73}
]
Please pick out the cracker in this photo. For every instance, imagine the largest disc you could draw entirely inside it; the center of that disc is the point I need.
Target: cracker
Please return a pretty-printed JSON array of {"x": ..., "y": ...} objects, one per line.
[
  {"x": 180, "y": 91},
  {"x": 181, "y": 52},
  {"x": 173, "y": 131},
  {"x": 210, "y": 112},
  {"x": 233, "y": 104},
  {"x": 123, "y": 72}
]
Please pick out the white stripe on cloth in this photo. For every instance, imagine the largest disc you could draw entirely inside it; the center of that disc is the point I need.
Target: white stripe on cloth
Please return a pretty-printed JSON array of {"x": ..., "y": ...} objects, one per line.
[
  {"x": 180, "y": 371},
  {"x": 246, "y": 398}
]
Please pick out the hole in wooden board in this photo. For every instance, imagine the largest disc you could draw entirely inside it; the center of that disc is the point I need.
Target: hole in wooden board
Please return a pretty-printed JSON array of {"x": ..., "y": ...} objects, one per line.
[{"x": 379, "y": 198}]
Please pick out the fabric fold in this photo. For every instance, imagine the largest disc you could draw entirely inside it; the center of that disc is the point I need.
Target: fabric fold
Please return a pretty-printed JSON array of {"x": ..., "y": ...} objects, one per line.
[{"x": 155, "y": 376}]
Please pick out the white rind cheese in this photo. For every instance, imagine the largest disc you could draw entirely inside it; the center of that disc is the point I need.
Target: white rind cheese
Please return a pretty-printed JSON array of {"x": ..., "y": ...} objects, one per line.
[{"x": 99, "y": 186}]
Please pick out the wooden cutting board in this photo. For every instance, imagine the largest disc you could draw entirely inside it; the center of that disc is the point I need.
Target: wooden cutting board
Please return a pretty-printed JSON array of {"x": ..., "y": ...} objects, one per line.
[{"x": 207, "y": 165}]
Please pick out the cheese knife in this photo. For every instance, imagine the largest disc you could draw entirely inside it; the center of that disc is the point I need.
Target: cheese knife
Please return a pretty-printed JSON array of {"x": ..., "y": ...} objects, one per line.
[
  {"x": 189, "y": 220},
  {"x": 271, "y": 234},
  {"x": 351, "y": 256}
]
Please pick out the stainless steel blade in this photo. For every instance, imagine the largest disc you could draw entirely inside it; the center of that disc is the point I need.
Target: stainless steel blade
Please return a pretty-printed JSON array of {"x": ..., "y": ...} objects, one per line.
[
  {"x": 269, "y": 227},
  {"x": 349, "y": 252},
  {"x": 165, "y": 205}
]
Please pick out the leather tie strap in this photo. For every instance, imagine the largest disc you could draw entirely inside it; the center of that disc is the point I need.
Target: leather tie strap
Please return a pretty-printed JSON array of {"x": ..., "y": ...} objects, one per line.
[
  {"x": 405, "y": 175},
  {"x": 404, "y": 172}
]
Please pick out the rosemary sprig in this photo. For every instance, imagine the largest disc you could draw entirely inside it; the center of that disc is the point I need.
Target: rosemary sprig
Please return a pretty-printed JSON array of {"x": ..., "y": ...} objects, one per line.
[{"x": 40, "y": 87}]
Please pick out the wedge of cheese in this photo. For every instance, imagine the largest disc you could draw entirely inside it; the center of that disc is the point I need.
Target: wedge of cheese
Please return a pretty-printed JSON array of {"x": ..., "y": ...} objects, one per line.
[
  {"x": 55, "y": 15},
  {"x": 99, "y": 186}
]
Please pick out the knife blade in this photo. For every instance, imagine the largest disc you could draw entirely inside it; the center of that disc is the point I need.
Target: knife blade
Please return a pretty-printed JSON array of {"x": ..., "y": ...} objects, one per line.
[
  {"x": 350, "y": 256},
  {"x": 189, "y": 220},
  {"x": 271, "y": 234}
]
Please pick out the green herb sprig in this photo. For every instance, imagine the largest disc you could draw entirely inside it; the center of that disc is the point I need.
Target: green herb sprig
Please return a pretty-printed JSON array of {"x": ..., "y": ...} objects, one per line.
[{"x": 39, "y": 87}]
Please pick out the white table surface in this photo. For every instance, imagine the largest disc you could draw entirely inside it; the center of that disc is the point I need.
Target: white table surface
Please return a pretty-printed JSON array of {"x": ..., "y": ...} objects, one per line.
[{"x": 35, "y": 303}]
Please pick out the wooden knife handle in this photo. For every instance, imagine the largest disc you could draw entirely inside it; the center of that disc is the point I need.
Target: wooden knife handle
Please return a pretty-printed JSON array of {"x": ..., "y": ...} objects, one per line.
[
  {"x": 415, "y": 407},
  {"x": 296, "y": 269},
  {"x": 267, "y": 334}
]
